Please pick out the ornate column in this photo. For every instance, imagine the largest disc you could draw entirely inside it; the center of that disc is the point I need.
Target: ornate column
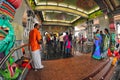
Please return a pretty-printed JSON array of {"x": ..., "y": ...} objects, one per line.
[
  {"x": 30, "y": 22},
  {"x": 89, "y": 30}
]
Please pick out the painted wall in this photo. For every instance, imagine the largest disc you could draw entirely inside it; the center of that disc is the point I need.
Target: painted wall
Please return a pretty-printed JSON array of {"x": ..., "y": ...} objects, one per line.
[
  {"x": 54, "y": 28},
  {"x": 19, "y": 13},
  {"x": 19, "y": 30},
  {"x": 104, "y": 23}
]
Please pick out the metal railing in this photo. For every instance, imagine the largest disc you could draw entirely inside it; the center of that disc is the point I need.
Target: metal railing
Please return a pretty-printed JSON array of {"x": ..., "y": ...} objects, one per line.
[
  {"x": 25, "y": 70},
  {"x": 2, "y": 62}
]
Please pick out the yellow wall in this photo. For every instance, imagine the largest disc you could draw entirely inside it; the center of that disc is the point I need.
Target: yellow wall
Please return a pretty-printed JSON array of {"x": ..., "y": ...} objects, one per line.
[{"x": 19, "y": 30}]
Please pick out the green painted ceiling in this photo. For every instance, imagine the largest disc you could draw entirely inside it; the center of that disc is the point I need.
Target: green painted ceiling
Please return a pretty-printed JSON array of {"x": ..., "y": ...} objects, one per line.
[
  {"x": 59, "y": 16},
  {"x": 86, "y": 5},
  {"x": 65, "y": 11}
]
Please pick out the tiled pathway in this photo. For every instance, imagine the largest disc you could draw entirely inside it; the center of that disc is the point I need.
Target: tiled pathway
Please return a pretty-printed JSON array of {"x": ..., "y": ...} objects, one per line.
[{"x": 73, "y": 68}]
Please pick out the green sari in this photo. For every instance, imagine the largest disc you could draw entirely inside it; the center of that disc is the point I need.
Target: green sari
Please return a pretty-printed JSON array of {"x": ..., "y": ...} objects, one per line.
[{"x": 106, "y": 45}]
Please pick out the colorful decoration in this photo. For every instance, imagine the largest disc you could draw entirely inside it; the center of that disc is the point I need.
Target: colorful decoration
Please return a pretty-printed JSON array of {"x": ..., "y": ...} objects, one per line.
[
  {"x": 116, "y": 57},
  {"x": 116, "y": 53},
  {"x": 7, "y": 9},
  {"x": 86, "y": 4},
  {"x": 7, "y": 37},
  {"x": 109, "y": 52},
  {"x": 26, "y": 63},
  {"x": 12, "y": 71},
  {"x": 32, "y": 4},
  {"x": 112, "y": 26},
  {"x": 15, "y": 3},
  {"x": 112, "y": 41},
  {"x": 82, "y": 4},
  {"x": 95, "y": 14},
  {"x": 7, "y": 76},
  {"x": 114, "y": 61}
]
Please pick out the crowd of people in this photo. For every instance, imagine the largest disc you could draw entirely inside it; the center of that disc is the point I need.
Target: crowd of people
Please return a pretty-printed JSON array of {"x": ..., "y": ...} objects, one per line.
[
  {"x": 61, "y": 41},
  {"x": 103, "y": 42},
  {"x": 37, "y": 41}
]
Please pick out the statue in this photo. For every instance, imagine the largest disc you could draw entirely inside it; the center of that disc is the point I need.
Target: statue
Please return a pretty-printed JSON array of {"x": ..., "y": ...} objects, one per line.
[{"x": 7, "y": 37}]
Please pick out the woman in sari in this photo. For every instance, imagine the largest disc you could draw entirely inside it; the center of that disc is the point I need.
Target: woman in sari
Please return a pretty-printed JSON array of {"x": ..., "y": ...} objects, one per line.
[
  {"x": 97, "y": 42},
  {"x": 106, "y": 43}
]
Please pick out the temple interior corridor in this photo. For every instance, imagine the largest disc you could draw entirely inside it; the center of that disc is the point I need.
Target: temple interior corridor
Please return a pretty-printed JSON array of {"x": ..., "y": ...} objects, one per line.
[{"x": 59, "y": 39}]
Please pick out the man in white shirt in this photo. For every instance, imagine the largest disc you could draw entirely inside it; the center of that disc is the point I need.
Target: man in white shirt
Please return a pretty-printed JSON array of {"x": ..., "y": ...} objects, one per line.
[{"x": 61, "y": 41}]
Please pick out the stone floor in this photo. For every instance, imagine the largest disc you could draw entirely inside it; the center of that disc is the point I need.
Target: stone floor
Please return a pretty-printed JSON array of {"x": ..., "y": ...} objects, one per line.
[
  {"x": 74, "y": 68},
  {"x": 51, "y": 52}
]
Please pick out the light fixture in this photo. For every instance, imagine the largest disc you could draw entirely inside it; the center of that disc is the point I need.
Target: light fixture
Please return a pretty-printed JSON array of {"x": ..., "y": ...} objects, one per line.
[
  {"x": 63, "y": 9},
  {"x": 41, "y": 3},
  {"x": 58, "y": 11},
  {"x": 97, "y": 8},
  {"x": 56, "y": 23},
  {"x": 106, "y": 17},
  {"x": 79, "y": 9},
  {"x": 72, "y": 7},
  {"x": 47, "y": 11},
  {"x": 52, "y": 3},
  {"x": 75, "y": 19},
  {"x": 62, "y": 4},
  {"x": 36, "y": 1},
  {"x": 43, "y": 13},
  {"x": 69, "y": 13},
  {"x": 54, "y": 20}
]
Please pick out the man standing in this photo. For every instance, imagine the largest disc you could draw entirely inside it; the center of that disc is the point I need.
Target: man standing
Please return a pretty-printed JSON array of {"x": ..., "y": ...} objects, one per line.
[
  {"x": 102, "y": 39},
  {"x": 61, "y": 42},
  {"x": 35, "y": 39}
]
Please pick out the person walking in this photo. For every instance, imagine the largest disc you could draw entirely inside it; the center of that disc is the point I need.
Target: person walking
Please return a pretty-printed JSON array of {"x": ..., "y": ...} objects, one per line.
[
  {"x": 35, "y": 39},
  {"x": 97, "y": 42}
]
